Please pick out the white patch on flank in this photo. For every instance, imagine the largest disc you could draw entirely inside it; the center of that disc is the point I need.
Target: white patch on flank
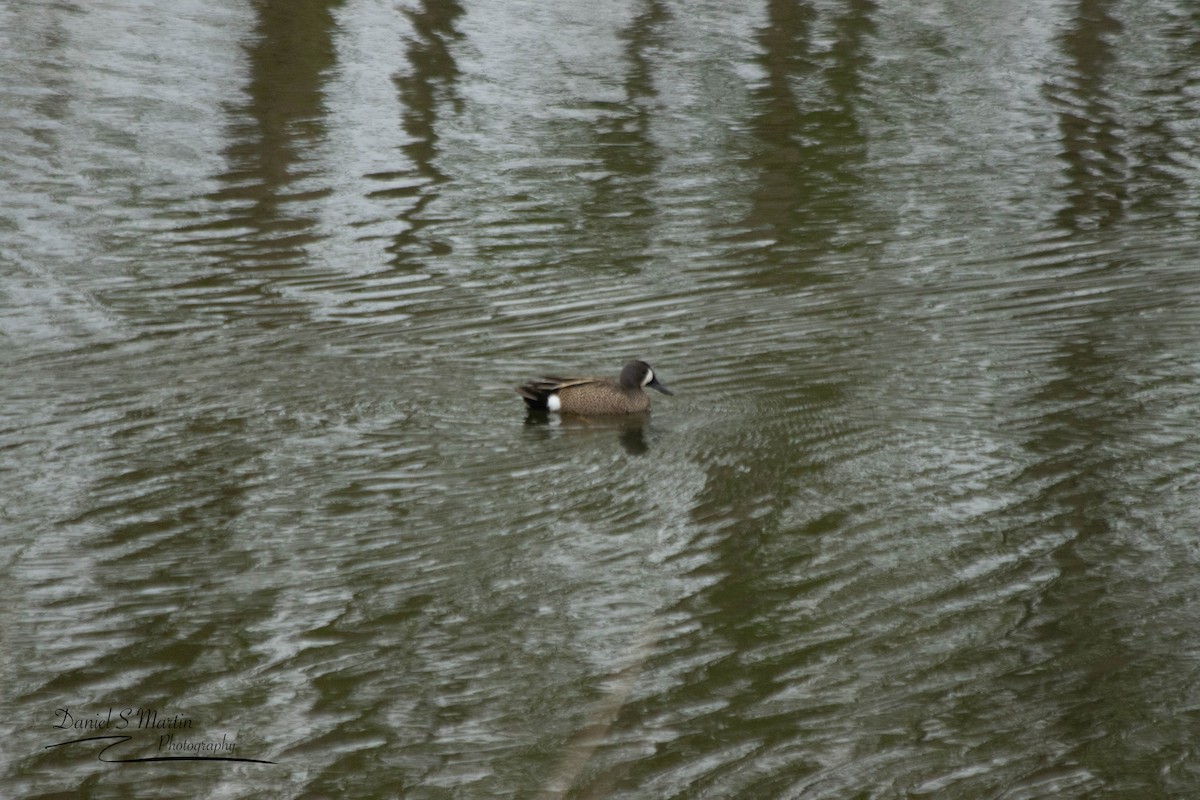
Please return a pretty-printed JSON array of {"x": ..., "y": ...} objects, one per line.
[
  {"x": 649, "y": 377},
  {"x": 553, "y": 403}
]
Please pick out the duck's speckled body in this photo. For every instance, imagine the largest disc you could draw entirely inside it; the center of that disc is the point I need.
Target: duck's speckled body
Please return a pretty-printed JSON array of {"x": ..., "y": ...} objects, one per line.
[{"x": 594, "y": 396}]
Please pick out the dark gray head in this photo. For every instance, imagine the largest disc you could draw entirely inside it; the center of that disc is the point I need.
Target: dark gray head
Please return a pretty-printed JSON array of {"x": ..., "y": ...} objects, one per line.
[{"x": 637, "y": 375}]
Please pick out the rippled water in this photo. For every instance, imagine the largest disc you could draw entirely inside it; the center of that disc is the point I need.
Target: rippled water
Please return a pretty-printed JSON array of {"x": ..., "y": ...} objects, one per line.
[{"x": 920, "y": 520}]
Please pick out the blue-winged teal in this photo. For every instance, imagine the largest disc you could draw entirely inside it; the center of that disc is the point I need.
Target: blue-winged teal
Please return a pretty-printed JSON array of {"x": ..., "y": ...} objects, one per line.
[{"x": 594, "y": 396}]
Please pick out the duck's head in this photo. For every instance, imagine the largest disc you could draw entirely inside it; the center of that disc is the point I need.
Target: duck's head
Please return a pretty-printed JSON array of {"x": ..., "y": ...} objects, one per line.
[{"x": 639, "y": 375}]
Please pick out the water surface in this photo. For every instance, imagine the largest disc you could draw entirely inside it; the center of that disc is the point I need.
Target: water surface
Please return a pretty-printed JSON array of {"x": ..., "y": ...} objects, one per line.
[{"x": 920, "y": 520}]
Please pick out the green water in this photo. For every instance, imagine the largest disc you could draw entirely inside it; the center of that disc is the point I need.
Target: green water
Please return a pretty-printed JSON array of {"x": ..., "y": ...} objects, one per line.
[{"x": 919, "y": 521}]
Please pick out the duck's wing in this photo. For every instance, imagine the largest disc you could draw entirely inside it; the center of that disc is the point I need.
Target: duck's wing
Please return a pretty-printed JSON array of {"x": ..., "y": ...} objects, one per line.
[
  {"x": 535, "y": 392},
  {"x": 563, "y": 383}
]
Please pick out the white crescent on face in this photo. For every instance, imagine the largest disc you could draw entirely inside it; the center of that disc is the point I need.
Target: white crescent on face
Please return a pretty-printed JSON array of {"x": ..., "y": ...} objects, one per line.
[{"x": 649, "y": 377}]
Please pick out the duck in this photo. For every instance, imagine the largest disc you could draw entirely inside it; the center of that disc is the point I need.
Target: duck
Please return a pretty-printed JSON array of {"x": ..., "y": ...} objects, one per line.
[{"x": 594, "y": 396}]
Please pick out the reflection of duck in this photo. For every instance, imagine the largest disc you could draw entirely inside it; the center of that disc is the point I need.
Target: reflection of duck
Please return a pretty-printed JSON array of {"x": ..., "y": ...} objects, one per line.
[
  {"x": 629, "y": 428},
  {"x": 594, "y": 396}
]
